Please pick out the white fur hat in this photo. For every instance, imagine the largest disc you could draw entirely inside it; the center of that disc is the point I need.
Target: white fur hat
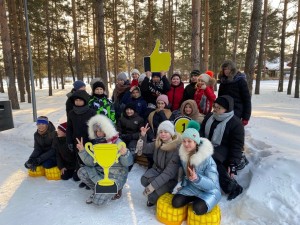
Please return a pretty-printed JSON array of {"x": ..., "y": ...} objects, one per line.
[
  {"x": 167, "y": 126},
  {"x": 135, "y": 71},
  {"x": 102, "y": 122}
]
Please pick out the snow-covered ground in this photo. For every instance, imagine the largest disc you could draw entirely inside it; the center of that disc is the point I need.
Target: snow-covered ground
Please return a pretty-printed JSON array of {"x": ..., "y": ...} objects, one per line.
[{"x": 271, "y": 184}]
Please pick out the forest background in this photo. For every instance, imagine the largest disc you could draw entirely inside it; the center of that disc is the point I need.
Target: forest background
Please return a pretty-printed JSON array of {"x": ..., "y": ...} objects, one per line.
[{"x": 97, "y": 38}]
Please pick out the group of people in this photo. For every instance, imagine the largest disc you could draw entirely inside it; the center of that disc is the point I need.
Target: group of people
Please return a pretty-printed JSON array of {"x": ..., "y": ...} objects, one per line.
[{"x": 203, "y": 159}]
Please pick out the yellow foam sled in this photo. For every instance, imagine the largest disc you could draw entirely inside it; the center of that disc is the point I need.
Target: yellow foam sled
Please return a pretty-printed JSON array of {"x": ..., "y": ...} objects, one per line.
[
  {"x": 211, "y": 218},
  {"x": 166, "y": 214},
  {"x": 53, "y": 173},
  {"x": 40, "y": 171}
]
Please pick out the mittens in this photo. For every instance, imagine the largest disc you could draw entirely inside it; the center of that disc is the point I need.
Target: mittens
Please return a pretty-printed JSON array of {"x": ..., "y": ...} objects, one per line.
[
  {"x": 148, "y": 190},
  {"x": 245, "y": 122}
]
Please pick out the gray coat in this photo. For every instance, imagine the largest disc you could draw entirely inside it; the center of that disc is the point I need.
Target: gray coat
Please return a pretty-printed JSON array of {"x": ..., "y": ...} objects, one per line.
[
  {"x": 117, "y": 171},
  {"x": 207, "y": 185},
  {"x": 166, "y": 160}
]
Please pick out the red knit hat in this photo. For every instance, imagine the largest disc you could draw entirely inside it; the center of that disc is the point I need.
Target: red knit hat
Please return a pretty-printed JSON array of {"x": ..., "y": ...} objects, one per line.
[
  {"x": 63, "y": 127},
  {"x": 210, "y": 73}
]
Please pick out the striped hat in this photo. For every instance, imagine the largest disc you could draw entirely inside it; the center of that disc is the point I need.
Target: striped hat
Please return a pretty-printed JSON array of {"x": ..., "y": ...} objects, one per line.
[{"x": 63, "y": 127}]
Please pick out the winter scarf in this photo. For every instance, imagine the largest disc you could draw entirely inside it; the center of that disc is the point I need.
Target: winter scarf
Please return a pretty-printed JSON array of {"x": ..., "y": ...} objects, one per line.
[
  {"x": 120, "y": 89},
  {"x": 219, "y": 130},
  {"x": 81, "y": 110},
  {"x": 156, "y": 87}
]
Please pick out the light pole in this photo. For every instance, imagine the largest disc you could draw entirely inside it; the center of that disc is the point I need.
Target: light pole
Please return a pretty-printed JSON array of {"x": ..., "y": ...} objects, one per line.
[{"x": 30, "y": 64}]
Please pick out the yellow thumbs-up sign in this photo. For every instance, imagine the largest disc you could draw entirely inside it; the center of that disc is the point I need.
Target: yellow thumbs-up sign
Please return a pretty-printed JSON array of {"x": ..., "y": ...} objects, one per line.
[{"x": 157, "y": 61}]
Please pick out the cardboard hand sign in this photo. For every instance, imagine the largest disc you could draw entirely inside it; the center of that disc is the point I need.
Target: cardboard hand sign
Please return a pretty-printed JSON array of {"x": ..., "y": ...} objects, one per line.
[{"x": 157, "y": 61}]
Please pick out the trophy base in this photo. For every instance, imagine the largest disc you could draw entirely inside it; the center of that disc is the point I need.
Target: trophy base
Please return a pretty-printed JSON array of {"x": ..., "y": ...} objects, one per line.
[{"x": 113, "y": 189}]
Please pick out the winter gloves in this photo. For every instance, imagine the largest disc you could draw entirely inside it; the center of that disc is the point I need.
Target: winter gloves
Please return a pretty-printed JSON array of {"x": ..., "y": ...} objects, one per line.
[
  {"x": 245, "y": 122},
  {"x": 32, "y": 163},
  {"x": 148, "y": 190}
]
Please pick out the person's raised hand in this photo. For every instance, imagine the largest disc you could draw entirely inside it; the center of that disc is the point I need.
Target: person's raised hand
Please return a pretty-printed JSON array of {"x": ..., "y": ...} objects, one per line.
[
  {"x": 79, "y": 145},
  {"x": 144, "y": 130}
]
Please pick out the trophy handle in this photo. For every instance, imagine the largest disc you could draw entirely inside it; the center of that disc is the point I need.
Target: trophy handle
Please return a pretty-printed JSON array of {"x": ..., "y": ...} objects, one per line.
[
  {"x": 119, "y": 146},
  {"x": 89, "y": 146}
]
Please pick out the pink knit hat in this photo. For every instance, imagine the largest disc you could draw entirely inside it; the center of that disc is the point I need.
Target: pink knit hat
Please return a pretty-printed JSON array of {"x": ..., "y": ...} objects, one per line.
[{"x": 163, "y": 98}]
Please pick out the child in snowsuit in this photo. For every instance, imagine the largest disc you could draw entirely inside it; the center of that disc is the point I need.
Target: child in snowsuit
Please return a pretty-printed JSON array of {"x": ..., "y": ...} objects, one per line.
[
  {"x": 102, "y": 130},
  {"x": 200, "y": 184},
  {"x": 43, "y": 151},
  {"x": 162, "y": 176}
]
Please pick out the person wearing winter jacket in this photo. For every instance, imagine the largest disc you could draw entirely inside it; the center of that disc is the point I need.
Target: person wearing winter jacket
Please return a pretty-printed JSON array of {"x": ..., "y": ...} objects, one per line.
[
  {"x": 204, "y": 95},
  {"x": 226, "y": 132},
  {"x": 190, "y": 89},
  {"x": 66, "y": 159},
  {"x": 200, "y": 184},
  {"x": 233, "y": 83},
  {"x": 175, "y": 93},
  {"x": 77, "y": 85},
  {"x": 102, "y": 130},
  {"x": 100, "y": 103},
  {"x": 162, "y": 176},
  {"x": 43, "y": 151},
  {"x": 129, "y": 126}
]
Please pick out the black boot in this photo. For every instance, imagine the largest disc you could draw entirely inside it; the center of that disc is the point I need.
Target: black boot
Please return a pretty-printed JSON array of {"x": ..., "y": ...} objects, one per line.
[{"x": 237, "y": 191}]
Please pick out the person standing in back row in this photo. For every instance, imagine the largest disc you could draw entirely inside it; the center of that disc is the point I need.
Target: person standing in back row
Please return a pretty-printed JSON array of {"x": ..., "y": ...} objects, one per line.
[{"x": 233, "y": 83}]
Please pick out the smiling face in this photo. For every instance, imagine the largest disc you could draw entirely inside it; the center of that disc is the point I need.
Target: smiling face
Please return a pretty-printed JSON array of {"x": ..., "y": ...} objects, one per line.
[
  {"x": 160, "y": 105},
  {"x": 189, "y": 145},
  {"x": 175, "y": 81},
  {"x": 194, "y": 78},
  {"x": 226, "y": 71},
  {"x": 156, "y": 79},
  {"x": 188, "y": 110},
  {"x": 164, "y": 135},
  {"x": 129, "y": 112},
  {"x": 135, "y": 76},
  {"x": 42, "y": 127},
  {"x": 99, "y": 91}
]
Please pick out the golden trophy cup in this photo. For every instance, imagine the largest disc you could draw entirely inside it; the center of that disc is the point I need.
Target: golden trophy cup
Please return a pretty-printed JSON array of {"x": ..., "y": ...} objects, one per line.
[{"x": 105, "y": 155}]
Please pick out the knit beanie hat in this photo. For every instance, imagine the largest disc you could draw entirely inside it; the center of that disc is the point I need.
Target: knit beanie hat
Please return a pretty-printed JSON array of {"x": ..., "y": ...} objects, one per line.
[
  {"x": 94, "y": 80},
  {"x": 130, "y": 105},
  {"x": 122, "y": 76},
  {"x": 163, "y": 98},
  {"x": 195, "y": 73},
  {"x": 210, "y": 73},
  {"x": 141, "y": 78},
  {"x": 192, "y": 131},
  {"x": 135, "y": 71},
  {"x": 205, "y": 77},
  {"x": 78, "y": 84},
  {"x": 63, "y": 127},
  {"x": 42, "y": 120},
  {"x": 98, "y": 84},
  {"x": 166, "y": 126},
  {"x": 226, "y": 102},
  {"x": 156, "y": 74}
]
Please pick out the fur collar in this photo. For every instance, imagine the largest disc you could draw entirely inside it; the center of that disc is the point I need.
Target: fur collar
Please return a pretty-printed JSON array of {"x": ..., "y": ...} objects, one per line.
[
  {"x": 204, "y": 151},
  {"x": 170, "y": 146},
  {"x": 106, "y": 126}
]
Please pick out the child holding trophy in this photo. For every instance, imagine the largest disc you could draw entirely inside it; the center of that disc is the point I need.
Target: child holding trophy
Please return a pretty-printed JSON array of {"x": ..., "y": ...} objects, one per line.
[
  {"x": 162, "y": 176},
  {"x": 101, "y": 130}
]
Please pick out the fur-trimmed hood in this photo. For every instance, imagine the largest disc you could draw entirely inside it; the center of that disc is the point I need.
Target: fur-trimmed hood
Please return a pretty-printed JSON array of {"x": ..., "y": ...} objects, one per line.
[
  {"x": 205, "y": 150},
  {"x": 104, "y": 123},
  {"x": 170, "y": 146}
]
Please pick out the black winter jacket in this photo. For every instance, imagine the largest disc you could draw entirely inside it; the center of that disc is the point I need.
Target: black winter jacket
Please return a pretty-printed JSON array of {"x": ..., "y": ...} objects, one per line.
[
  {"x": 231, "y": 148},
  {"x": 189, "y": 92},
  {"x": 130, "y": 125},
  {"x": 238, "y": 90},
  {"x": 64, "y": 157},
  {"x": 43, "y": 144}
]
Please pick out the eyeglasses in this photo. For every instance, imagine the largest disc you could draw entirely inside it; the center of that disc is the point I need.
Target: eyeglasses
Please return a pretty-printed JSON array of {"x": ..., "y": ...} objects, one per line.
[{"x": 217, "y": 107}]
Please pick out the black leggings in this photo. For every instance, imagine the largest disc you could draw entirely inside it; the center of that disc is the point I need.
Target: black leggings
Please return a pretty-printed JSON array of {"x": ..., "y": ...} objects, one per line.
[{"x": 199, "y": 205}]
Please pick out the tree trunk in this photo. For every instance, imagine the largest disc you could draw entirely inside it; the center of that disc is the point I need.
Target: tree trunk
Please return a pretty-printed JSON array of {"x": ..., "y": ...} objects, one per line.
[
  {"x": 261, "y": 48},
  {"x": 206, "y": 36},
  {"x": 135, "y": 32},
  {"x": 291, "y": 78},
  {"x": 297, "y": 81},
  {"x": 17, "y": 49},
  {"x": 150, "y": 31},
  {"x": 101, "y": 42},
  {"x": 7, "y": 57},
  {"x": 196, "y": 20},
  {"x": 236, "y": 36},
  {"x": 77, "y": 53},
  {"x": 282, "y": 46},
  {"x": 49, "y": 60},
  {"x": 24, "y": 49},
  {"x": 252, "y": 41}
]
